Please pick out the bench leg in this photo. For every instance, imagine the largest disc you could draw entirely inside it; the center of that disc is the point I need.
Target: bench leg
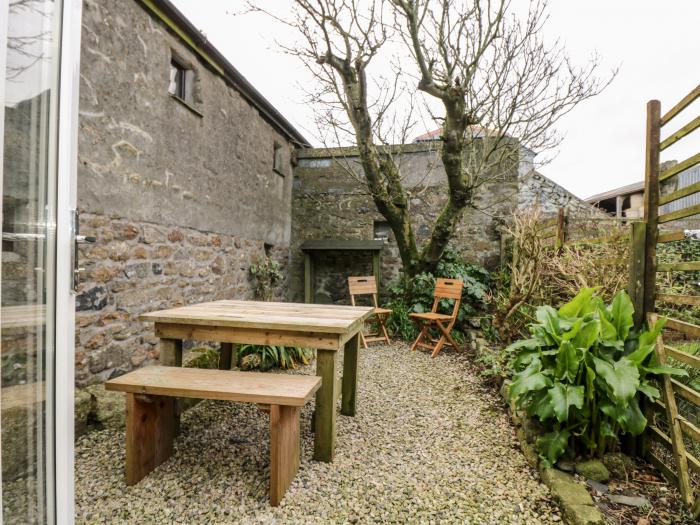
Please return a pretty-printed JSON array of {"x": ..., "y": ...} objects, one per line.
[
  {"x": 285, "y": 449},
  {"x": 350, "y": 356},
  {"x": 171, "y": 355},
  {"x": 326, "y": 397},
  {"x": 150, "y": 428}
]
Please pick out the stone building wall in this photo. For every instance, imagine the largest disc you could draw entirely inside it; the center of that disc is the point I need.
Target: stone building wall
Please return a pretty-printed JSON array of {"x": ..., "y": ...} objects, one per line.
[
  {"x": 330, "y": 201},
  {"x": 139, "y": 267},
  {"x": 537, "y": 190},
  {"x": 182, "y": 198}
]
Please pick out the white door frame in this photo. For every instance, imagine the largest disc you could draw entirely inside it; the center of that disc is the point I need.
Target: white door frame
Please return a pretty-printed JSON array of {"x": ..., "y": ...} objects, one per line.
[
  {"x": 65, "y": 243},
  {"x": 4, "y": 10}
]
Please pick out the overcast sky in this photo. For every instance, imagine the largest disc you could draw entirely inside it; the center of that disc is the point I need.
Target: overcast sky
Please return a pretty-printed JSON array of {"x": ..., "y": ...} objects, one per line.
[{"x": 656, "y": 44}]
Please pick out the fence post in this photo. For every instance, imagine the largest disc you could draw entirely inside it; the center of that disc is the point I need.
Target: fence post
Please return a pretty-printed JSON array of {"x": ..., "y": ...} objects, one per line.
[
  {"x": 636, "y": 271},
  {"x": 651, "y": 202},
  {"x": 561, "y": 229}
]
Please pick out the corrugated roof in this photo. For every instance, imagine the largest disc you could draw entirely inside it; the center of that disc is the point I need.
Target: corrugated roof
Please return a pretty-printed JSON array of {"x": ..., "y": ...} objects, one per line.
[
  {"x": 192, "y": 36},
  {"x": 622, "y": 190}
]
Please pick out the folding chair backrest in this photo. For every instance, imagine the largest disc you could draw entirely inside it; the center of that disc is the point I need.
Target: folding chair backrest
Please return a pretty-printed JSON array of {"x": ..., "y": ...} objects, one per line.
[
  {"x": 448, "y": 289},
  {"x": 362, "y": 286}
]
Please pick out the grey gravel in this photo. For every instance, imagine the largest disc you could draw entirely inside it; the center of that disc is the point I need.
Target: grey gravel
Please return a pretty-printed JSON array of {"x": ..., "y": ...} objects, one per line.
[{"x": 428, "y": 445}]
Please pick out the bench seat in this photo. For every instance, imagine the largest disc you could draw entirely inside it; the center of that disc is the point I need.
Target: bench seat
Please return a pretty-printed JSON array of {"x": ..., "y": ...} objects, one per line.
[{"x": 151, "y": 394}]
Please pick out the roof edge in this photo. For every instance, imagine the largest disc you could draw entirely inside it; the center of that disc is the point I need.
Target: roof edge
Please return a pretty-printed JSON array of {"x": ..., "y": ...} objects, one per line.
[{"x": 172, "y": 17}]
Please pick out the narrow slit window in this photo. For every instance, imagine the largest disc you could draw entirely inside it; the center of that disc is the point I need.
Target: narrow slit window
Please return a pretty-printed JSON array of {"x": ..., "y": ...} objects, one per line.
[
  {"x": 278, "y": 157},
  {"x": 180, "y": 81}
]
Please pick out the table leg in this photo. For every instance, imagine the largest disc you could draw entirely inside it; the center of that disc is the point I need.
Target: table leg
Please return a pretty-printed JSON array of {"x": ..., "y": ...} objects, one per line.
[
  {"x": 285, "y": 449},
  {"x": 350, "y": 356},
  {"x": 326, "y": 397},
  {"x": 150, "y": 427},
  {"x": 225, "y": 356},
  {"x": 170, "y": 352}
]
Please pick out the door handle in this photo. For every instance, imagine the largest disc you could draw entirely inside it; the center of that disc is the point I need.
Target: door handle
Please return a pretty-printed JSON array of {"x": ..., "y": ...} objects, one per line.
[
  {"x": 82, "y": 239},
  {"x": 77, "y": 239}
]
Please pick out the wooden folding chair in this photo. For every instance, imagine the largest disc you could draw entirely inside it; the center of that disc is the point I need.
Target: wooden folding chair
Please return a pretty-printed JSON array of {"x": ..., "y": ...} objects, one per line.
[
  {"x": 444, "y": 289},
  {"x": 368, "y": 286}
]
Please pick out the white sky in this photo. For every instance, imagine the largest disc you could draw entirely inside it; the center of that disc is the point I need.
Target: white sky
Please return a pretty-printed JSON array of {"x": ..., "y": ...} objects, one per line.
[{"x": 656, "y": 43}]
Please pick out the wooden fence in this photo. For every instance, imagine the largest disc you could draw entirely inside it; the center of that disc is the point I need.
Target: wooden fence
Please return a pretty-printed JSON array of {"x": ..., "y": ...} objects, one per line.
[
  {"x": 675, "y": 435},
  {"x": 672, "y": 441}
]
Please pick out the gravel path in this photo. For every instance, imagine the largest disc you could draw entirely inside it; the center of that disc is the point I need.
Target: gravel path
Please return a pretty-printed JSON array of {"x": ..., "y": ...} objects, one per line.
[{"x": 428, "y": 446}]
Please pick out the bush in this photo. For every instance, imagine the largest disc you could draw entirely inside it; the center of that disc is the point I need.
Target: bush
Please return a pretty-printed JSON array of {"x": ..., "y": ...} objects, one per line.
[
  {"x": 582, "y": 372},
  {"x": 265, "y": 357},
  {"x": 416, "y": 295},
  {"x": 266, "y": 276}
]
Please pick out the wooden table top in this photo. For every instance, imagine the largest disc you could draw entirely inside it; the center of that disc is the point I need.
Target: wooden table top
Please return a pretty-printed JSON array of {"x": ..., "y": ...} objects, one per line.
[
  {"x": 300, "y": 317},
  {"x": 227, "y": 385}
]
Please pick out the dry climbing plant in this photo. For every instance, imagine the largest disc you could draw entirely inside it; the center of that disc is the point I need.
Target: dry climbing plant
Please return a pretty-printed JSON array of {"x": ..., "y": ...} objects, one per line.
[
  {"x": 540, "y": 274},
  {"x": 523, "y": 278}
]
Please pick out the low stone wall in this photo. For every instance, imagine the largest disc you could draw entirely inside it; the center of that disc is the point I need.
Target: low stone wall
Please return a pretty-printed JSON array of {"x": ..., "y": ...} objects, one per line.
[{"x": 136, "y": 267}]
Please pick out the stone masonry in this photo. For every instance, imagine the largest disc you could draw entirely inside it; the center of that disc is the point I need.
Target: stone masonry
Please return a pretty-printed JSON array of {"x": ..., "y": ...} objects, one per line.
[
  {"x": 330, "y": 201},
  {"x": 182, "y": 196},
  {"x": 139, "y": 267}
]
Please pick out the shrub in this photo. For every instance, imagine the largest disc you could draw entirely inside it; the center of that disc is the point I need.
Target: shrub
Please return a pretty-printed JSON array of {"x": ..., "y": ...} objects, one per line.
[
  {"x": 266, "y": 275},
  {"x": 582, "y": 372},
  {"x": 265, "y": 357},
  {"x": 416, "y": 295}
]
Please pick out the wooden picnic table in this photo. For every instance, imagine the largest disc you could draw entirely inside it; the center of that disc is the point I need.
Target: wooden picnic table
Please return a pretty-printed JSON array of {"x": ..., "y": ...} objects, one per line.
[{"x": 327, "y": 328}]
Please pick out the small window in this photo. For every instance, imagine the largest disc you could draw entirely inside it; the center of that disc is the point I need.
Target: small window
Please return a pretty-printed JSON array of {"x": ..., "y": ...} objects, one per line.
[
  {"x": 382, "y": 230},
  {"x": 180, "y": 81},
  {"x": 277, "y": 159}
]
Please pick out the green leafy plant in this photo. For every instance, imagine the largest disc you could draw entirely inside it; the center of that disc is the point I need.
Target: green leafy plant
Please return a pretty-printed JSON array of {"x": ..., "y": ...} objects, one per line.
[
  {"x": 265, "y": 357},
  {"x": 266, "y": 276},
  {"x": 416, "y": 295},
  {"x": 582, "y": 373}
]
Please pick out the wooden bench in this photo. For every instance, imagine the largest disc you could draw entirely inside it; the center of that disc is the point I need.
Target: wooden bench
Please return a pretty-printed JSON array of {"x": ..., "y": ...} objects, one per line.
[{"x": 151, "y": 409}]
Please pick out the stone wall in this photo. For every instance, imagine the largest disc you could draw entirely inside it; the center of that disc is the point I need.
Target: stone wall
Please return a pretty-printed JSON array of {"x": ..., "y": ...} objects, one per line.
[
  {"x": 537, "y": 190},
  {"x": 182, "y": 197},
  {"x": 137, "y": 267},
  {"x": 330, "y": 201}
]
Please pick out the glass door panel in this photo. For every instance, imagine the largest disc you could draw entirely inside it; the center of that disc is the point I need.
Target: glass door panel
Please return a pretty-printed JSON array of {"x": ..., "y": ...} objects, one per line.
[{"x": 27, "y": 278}]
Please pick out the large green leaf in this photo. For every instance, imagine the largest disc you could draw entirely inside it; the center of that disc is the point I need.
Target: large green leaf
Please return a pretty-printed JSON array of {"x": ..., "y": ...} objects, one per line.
[
  {"x": 553, "y": 444},
  {"x": 649, "y": 390},
  {"x": 627, "y": 415},
  {"x": 649, "y": 336},
  {"x": 549, "y": 319},
  {"x": 573, "y": 330},
  {"x": 622, "y": 377},
  {"x": 608, "y": 331},
  {"x": 540, "y": 406},
  {"x": 668, "y": 370},
  {"x": 562, "y": 397},
  {"x": 529, "y": 383},
  {"x": 568, "y": 361},
  {"x": 530, "y": 344},
  {"x": 587, "y": 335},
  {"x": 574, "y": 307},
  {"x": 622, "y": 313}
]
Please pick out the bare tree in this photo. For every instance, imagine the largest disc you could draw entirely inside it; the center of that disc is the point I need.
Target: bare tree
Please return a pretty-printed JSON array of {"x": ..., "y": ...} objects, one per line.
[{"x": 498, "y": 88}]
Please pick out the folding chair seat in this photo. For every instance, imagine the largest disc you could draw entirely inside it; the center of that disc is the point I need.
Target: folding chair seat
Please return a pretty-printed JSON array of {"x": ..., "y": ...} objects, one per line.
[
  {"x": 368, "y": 286},
  {"x": 439, "y": 322}
]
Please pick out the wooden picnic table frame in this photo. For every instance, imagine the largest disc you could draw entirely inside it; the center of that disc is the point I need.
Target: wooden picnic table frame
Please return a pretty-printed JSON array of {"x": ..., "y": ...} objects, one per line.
[{"x": 327, "y": 328}]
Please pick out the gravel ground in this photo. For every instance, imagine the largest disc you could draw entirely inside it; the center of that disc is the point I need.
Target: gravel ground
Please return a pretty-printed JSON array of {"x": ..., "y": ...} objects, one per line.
[{"x": 428, "y": 446}]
